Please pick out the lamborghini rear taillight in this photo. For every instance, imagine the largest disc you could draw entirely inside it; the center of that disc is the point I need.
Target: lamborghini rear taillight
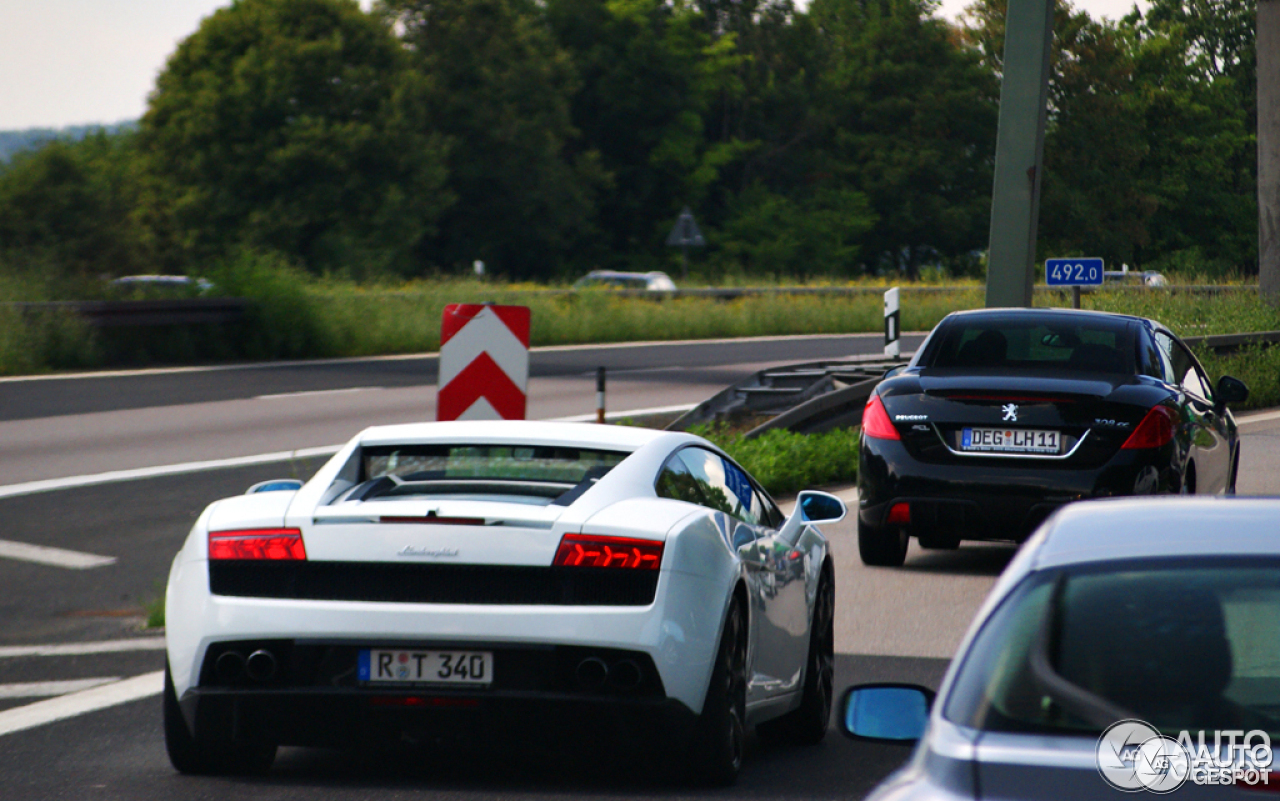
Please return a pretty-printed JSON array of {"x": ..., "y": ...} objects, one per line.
[
  {"x": 257, "y": 543},
  {"x": 1155, "y": 430},
  {"x": 589, "y": 550},
  {"x": 875, "y": 420}
]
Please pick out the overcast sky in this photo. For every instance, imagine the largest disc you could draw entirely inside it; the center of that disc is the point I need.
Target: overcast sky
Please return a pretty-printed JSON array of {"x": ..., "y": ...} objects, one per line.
[{"x": 70, "y": 62}]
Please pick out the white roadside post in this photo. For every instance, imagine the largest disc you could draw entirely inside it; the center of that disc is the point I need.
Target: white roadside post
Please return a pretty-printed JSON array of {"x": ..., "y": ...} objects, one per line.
[{"x": 892, "y": 327}]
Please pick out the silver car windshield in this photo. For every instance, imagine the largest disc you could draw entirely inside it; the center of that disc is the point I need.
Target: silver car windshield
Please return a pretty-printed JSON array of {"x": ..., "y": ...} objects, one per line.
[{"x": 1181, "y": 646}]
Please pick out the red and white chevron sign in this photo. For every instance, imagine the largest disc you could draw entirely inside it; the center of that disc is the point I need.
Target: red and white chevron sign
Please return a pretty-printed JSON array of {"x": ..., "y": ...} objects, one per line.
[{"x": 484, "y": 362}]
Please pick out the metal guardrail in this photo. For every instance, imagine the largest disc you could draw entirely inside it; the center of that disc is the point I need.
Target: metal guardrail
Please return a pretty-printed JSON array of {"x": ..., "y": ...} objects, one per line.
[
  {"x": 733, "y": 293},
  {"x": 818, "y": 396},
  {"x": 807, "y": 398},
  {"x": 120, "y": 313},
  {"x": 1230, "y": 343}
]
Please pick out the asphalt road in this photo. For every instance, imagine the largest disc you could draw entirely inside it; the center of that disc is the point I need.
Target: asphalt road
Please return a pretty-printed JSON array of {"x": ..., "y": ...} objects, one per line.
[
  {"x": 72, "y": 426},
  {"x": 696, "y": 362},
  {"x": 118, "y": 753},
  {"x": 892, "y": 625}
]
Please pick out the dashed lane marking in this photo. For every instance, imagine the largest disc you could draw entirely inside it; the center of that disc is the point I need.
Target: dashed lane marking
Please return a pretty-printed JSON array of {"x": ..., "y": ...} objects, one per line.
[
  {"x": 83, "y": 648},
  {"x": 48, "y": 485},
  {"x": 44, "y": 689},
  {"x": 80, "y": 703},
  {"x": 58, "y": 557},
  {"x": 306, "y": 393}
]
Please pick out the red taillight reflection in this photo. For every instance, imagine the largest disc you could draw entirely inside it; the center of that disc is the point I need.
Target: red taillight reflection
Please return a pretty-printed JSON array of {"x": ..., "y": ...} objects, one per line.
[
  {"x": 589, "y": 550},
  {"x": 257, "y": 543},
  {"x": 1155, "y": 430},
  {"x": 875, "y": 421},
  {"x": 899, "y": 514},
  {"x": 418, "y": 701}
]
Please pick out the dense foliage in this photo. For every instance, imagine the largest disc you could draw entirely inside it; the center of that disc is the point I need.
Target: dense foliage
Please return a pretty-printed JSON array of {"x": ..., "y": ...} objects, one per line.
[
  {"x": 548, "y": 137},
  {"x": 786, "y": 462}
]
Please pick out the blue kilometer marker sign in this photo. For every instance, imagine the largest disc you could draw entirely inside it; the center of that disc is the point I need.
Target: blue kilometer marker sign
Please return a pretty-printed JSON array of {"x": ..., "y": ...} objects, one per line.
[{"x": 1073, "y": 272}]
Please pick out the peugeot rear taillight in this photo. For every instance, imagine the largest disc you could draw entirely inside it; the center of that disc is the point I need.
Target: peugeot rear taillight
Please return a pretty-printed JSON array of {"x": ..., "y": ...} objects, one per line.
[
  {"x": 875, "y": 420},
  {"x": 1155, "y": 430}
]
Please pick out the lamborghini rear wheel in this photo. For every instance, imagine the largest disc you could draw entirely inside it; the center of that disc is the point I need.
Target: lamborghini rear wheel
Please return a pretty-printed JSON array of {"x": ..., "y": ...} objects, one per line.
[
  {"x": 720, "y": 736},
  {"x": 208, "y": 755}
]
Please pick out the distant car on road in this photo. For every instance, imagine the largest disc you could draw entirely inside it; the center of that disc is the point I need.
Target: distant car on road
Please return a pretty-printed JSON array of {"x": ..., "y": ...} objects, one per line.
[
  {"x": 162, "y": 285},
  {"x": 1159, "y": 616},
  {"x": 652, "y": 281},
  {"x": 1004, "y": 415},
  {"x": 542, "y": 582},
  {"x": 1144, "y": 277}
]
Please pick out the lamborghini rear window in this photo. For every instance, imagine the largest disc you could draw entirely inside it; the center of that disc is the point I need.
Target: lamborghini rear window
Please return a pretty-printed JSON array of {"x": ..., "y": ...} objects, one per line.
[{"x": 440, "y": 462}]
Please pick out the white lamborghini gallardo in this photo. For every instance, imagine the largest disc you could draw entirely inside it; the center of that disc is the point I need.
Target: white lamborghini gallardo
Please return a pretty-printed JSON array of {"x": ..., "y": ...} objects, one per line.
[{"x": 446, "y": 577}]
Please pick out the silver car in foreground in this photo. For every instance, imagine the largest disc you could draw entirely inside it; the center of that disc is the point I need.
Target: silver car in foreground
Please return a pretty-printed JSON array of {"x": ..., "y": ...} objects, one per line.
[{"x": 1160, "y": 615}]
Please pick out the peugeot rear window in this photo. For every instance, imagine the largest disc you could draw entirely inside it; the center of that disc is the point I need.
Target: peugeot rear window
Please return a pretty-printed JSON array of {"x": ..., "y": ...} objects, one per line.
[{"x": 1068, "y": 344}]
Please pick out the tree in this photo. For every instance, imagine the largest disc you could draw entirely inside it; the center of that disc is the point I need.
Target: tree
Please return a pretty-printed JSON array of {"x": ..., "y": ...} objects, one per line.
[
  {"x": 1201, "y": 162},
  {"x": 295, "y": 126},
  {"x": 67, "y": 210},
  {"x": 501, "y": 89},
  {"x": 651, "y": 75},
  {"x": 910, "y": 122},
  {"x": 818, "y": 233}
]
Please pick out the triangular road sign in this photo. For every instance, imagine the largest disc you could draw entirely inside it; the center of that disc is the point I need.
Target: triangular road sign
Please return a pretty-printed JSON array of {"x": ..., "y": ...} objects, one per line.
[{"x": 685, "y": 233}]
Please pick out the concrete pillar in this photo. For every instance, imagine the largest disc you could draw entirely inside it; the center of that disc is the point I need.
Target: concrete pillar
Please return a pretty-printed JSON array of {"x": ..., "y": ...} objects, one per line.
[
  {"x": 1015, "y": 197},
  {"x": 1268, "y": 47}
]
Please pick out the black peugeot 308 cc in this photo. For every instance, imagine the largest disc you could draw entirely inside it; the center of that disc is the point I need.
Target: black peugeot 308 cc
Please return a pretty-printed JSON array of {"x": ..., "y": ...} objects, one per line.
[{"x": 1004, "y": 415}]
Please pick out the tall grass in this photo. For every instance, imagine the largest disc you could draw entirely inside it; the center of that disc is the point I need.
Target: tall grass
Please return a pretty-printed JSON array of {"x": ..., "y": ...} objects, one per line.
[
  {"x": 33, "y": 341},
  {"x": 294, "y": 315},
  {"x": 361, "y": 321}
]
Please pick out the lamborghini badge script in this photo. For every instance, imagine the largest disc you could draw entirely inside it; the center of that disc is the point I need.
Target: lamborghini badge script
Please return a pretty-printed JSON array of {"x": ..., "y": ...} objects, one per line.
[
  {"x": 441, "y": 553},
  {"x": 1010, "y": 412}
]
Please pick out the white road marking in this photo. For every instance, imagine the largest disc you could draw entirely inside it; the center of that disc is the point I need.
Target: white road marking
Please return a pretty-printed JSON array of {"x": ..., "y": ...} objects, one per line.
[
  {"x": 1261, "y": 417},
  {"x": 85, "y": 701},
  {"x": 636, "y": 371},
  {"x": 82, "y": 648},
  {"x": 44, "y": 689},
  {"x": 280, "y": 395},
  {"x": 400, "y": 357},
  {"x": 590, "y": 418},
  {"x": 48, "y": 485},
  {"x": 58, "y": 557}
]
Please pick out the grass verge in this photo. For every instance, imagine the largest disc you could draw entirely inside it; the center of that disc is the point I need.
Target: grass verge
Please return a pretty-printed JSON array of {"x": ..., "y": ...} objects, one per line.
[
  {"x": 296, "y": 316},
  {"x": 786, "y": 462},
  {"x": 155, "y": 613}
]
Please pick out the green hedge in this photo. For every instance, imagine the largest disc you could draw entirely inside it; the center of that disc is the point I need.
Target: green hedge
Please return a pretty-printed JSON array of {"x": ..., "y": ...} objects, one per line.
[{"x": 786, "y": 462}]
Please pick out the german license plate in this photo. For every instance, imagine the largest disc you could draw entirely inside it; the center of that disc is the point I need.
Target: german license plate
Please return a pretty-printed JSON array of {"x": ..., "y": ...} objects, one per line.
[
  {"x": 408, "y": 666},
  {"x": 1009, "y": 440}
]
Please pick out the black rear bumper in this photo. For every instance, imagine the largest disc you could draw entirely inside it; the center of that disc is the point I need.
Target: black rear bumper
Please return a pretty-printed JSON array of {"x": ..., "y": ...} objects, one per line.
[
  {"x": 994, "y": 499},
  {"x": 313, "y": 697},
  {"x": 343, "y": 718}
]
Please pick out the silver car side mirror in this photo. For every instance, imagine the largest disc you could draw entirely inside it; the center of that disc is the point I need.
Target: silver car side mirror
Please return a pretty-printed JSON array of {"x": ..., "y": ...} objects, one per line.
[{"x": 885, "y": 713}]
